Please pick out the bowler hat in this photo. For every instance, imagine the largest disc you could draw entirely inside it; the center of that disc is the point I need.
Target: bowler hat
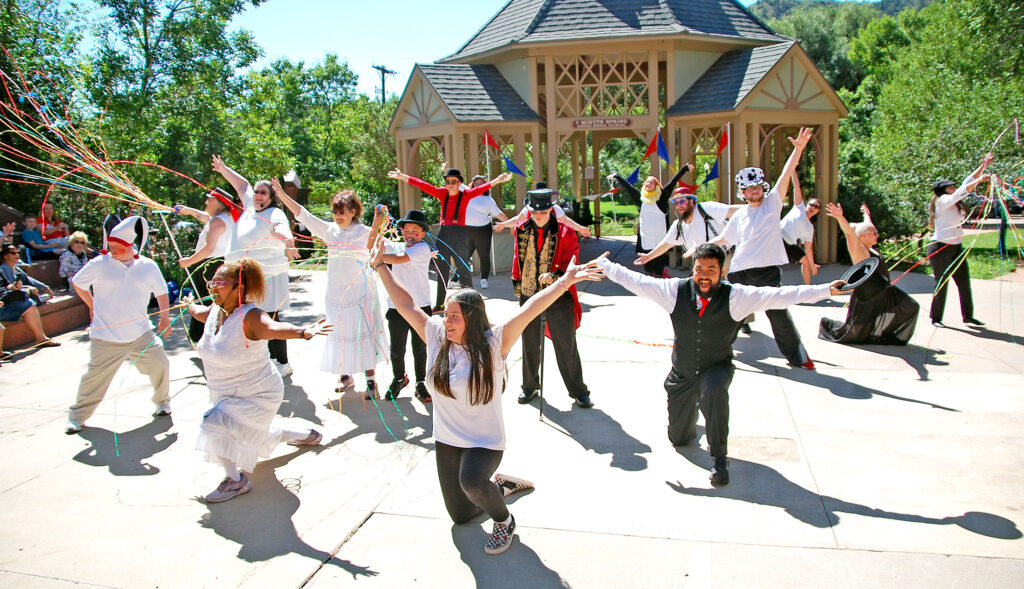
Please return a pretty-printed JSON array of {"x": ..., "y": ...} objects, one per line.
[
  {"x": 414, "y": 216},
  {"x": 454, "y": 173},
  {"x": 540, "y": 200},
  {"x": 940, "y": 186}
]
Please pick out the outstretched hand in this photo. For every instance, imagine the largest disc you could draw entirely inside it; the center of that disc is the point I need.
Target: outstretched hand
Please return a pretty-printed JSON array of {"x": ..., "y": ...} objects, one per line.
[
  {"x": 377, "y": 253},
  {"x": 218, "y": 164},
  {"x": 834, "y": 209},
  {"x": 802, "y": 138},
  {"x": 579, "y": 272},
  {"x": 397, "y": 174},
  {"x": 836, "y": 288},
  {"x": 319, "y": 328},
  {"x": 641, "y": 260}
]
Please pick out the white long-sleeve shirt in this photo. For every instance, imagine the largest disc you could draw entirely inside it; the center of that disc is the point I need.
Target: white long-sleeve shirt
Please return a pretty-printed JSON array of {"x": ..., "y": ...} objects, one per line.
[
  {"x": 948, "y": 218},
  {"x": 743, "y": 299}
]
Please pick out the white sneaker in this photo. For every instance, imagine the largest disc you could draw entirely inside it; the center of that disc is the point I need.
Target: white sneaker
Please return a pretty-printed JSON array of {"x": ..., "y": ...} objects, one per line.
[
  {"x": 483, "y": 283},
  {"x": 284, "y": 369},
  {"x": 73, "y": 427},
  {"x": 162, "y": 410}
]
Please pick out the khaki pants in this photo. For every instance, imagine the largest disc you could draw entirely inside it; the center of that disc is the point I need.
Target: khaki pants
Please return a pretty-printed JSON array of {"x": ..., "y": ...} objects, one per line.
[{"x": 104, "y": 360}]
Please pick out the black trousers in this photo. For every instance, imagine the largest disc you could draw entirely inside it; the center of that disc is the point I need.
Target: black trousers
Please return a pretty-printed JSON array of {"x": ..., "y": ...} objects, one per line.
[
  {"x": 710, "y": 392},
  {"x": 478, "y": 239},
  {"x": 399, "y": 331},
  {"x": 786, "y": 336},
  {"x": 451, "y": 254},
  {"x": 562, "y": 325},
  {"x": 465, "y": 477},
  {"x": 278, "y": 347},
  {"x": 943, "y": 258},
  {"x": 655, "y": 267},
  {"x": 209, "y": 268}
]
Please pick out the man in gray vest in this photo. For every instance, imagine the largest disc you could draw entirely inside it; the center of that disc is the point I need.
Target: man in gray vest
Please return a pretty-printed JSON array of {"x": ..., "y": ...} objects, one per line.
[{"x": 706, "y": 315}]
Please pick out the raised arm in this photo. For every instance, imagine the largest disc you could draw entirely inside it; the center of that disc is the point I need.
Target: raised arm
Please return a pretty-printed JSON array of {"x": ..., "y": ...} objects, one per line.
[
  {"x": 198, "y": 214},
  {"x": 286, "y": 200},
  {"x": 805, "y": 134},
  {"x": 666, "y": 192},
  {"x": 536, "y": 304},
  {"x": 435, "y": 191},
  {"x": 853, "y": 245},
  {"x": 633, "y": 192},
  {"x": 798, "y": 195},
  {"x": 240, "y": 184},
  {"x": 400, "y": 297},
  {"x": 214, "y": 233}
]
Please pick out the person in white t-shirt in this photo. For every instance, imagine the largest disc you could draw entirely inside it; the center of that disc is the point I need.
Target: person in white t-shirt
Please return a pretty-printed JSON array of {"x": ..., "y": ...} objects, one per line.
[
  {"x": 798, "y": 231},
  {"x": 478, "y": 228},
  {"x": 410, "y": 263},
  {"x": 116, "y": 286},
  {"x": 467, "y": 358},
  {"x": 760, "y": 250},
  {"x": 696, "y": 223},
  {"x": 945, "y": 252}
]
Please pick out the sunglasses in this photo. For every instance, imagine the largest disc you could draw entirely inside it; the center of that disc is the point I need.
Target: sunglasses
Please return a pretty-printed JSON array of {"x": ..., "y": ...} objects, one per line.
[
  {"x": 212, "y": 284},
  {"x": 678, "y": 200},
  {"x": 453, "y": 182},
  {"x": 78, "y": 242}
]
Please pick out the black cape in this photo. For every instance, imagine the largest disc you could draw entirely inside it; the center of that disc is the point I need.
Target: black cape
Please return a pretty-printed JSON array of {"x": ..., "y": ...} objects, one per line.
[{"x": 879, "y": 313}]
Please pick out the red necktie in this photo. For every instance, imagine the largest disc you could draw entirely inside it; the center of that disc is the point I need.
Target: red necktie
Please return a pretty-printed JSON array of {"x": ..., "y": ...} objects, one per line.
[{"x": 703, "y": 305}]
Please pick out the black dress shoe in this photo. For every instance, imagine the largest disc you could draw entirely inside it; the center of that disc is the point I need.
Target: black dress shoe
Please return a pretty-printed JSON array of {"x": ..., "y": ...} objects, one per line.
[
  {"x": 745, "y": 328},
  {"x": 973, "y": 321},
  {"x": 528, "y": 395},
  {"x": 584, "y": 401},
  {"x": 720, "y": 472},
  {"x": 938, "y": 324}
]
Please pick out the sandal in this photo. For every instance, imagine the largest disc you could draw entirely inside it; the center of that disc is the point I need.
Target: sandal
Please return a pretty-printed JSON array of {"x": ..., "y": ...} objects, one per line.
[{"x": 48, "y": 344}]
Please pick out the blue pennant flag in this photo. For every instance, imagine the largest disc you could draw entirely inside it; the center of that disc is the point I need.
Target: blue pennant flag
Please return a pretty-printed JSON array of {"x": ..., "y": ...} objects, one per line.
[
  {"x": 662, "y": 150},
  {"x": 712, "y": 174},
  {"x": 511, "y": 167},
  {"x": 634, "y": 176}
]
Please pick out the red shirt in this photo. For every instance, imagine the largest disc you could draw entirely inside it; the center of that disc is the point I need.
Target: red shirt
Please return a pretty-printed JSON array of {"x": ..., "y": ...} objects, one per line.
[
  {"x": 51, "y": 230},
  {"x": 453, "y": 208}
]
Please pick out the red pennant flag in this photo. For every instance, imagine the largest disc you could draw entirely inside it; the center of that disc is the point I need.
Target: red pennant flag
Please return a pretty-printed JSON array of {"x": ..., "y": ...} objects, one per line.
[
  {"x": 653, "y": 147},
  {"x": 488, "y": 140},
  {"x": 724, "y": 142}
]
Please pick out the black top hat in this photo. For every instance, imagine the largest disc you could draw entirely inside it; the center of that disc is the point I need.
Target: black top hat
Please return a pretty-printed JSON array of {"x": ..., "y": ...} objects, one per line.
[
  {"x": 414, "y": 216},
  {"x": 940, "y": 186},
  {"x": 866, "y": 279},
  {"x": 454, "y": 172},
  {"x": 541, "y": 199},
  {"x": 541, "y": 185}
]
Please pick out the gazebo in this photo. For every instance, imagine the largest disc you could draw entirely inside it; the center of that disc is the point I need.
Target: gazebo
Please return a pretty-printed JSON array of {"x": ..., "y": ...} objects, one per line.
[{"x": 554, "y": 80}]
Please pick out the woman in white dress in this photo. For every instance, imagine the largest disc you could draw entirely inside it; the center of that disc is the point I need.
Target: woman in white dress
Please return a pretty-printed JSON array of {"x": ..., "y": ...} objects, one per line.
[
  {"x": 466, "y": 366},
  {"x": 245, "y": 389},
  {"x": 262, "y": 233},
  {"x": 358, "y": 341}
]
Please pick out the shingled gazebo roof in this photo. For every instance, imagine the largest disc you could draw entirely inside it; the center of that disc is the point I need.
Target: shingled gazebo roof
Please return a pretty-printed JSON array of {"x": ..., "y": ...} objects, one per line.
[
  {"x": 522, "y": 22},
  {"x": 477, "y": 93},
  {"x": 728, "y": 81}
]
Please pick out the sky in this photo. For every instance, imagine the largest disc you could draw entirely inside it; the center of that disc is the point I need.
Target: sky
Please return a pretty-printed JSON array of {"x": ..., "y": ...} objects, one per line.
[{"x": 394, "y": 33}]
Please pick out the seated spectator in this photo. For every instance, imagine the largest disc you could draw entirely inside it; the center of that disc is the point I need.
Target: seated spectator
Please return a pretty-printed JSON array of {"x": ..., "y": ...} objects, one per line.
[
  {"x": 11, "y": 274},
  {"x": 50, "y": 226},
  {"x": 76, "y": 256},
  {"x": 37, "y": 247},
  {"x": 16, "y": 298},
  {"x": 8, "y": 233}
]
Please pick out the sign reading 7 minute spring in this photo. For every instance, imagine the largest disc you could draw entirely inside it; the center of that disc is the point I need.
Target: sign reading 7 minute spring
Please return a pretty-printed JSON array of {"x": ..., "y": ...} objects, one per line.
[{"x": 603, "y": 123}]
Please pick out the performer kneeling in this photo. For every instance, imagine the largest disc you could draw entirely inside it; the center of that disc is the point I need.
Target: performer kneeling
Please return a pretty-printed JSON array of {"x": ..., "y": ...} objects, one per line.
[
  {"x": 706, "y": 315},
  {"x": 245, "y": 388},
  {"x": 466, "y": 377}
]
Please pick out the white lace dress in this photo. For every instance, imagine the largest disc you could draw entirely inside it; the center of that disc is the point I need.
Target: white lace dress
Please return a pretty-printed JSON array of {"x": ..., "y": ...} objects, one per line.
[
  {"x": 245, "y": 392},
  {"x": 358, "y": 341}
]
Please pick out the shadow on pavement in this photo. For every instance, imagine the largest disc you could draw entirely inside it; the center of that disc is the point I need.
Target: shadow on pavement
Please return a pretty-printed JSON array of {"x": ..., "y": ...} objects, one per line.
[
  {"x": 519, "y": 566},
  {"x": 757, "y": 483},
  {"x": 986, "y": 333},
  {"x": 595, "y": 430},
  {"x": 752, "y": 354},
  {"x": 297, "y": 404},
  {"x": 260, "y": 521},
  {"x": 381, "y": 417},
  {"x": 915, "y": 356},
  {"x": 125, "y": 457}
]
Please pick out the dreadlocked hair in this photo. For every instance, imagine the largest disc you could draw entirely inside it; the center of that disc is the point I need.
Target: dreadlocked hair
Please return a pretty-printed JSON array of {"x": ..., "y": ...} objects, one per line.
[
  {"x": 249, "y": 275},
  {"x": 478, "y": 348}
]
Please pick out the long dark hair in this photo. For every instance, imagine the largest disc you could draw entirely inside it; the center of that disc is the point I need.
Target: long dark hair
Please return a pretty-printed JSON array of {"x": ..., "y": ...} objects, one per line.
[{"x": 481, "y": 375}]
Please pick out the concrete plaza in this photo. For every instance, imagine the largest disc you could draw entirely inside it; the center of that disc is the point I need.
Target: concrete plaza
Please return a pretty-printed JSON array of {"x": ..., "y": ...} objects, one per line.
[{"x": 886, "y": 467}]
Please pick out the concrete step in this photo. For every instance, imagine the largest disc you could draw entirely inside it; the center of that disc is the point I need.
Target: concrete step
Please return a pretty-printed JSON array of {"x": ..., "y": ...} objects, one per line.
[{"x": 63, "y": 312}]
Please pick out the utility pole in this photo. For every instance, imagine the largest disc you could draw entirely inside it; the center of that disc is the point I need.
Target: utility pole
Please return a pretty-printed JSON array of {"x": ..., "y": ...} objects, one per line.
[{"x": 384, "y": 71}]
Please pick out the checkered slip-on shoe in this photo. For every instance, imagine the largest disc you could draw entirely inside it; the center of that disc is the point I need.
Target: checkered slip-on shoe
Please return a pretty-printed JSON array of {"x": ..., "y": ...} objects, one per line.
[
  {"x": 501, "y": 538},
  {"x": 510, "y": 485}
]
